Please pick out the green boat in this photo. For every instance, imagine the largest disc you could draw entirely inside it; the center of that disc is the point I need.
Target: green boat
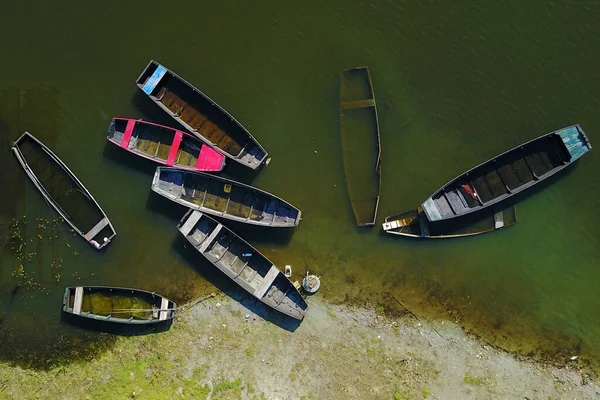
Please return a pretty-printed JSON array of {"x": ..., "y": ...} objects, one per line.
[{"x": 118, "y": 305}]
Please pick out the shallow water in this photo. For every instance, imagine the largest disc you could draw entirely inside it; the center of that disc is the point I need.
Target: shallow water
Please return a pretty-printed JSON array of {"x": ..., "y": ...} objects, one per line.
[{"x": 455, "y": 86}]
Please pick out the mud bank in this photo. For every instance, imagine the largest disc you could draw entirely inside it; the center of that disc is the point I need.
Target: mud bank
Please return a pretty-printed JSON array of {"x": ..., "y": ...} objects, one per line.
[{"x": 221, "y": 349}]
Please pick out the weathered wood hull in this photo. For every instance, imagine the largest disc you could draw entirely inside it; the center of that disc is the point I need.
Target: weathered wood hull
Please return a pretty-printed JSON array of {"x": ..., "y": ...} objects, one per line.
[
  {"x": 510, "y": 173},
  {"x": 225, "y": 198},
  {"x": 118, "y": 305},
  {"x": 164, "y": 145},
  {"x": 241, "y": 262},
  {"x": 361, "y": 144},
  {"x": 63, "y": 191},
  {"x": 201, "y": 115}
]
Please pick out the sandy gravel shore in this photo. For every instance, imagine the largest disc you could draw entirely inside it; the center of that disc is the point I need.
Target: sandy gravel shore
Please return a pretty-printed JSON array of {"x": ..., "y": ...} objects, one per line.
[{"x": 221, "y": 349}]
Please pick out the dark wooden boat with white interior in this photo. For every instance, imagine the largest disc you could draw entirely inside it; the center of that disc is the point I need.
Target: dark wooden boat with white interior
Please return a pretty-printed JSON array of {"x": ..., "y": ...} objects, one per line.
[
  {"x": 225, "y": 198},
  {"x": 414, "y": 224},
  {"x": 164, "y": 145},
  {"x": 361, "y": 143},
  {"x": 242, "y": 263},
  {"x": 63, "y": 191},
  {"x": 118, "y": 305},
  {"x": 507, "y": 174},
  {"x": 201, "y": 115}
]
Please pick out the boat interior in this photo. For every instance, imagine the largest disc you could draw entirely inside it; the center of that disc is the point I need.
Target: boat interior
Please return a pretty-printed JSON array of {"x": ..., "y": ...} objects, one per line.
[
  {"x": 228, "y": 197},
  {"x": 117, "y": 303},
  {"x": 242, "y": 263},
  {"x": 155, "y": 141},
  {"x": 64, "y": 190},
  {"x": 503, "y": 176},
  {"x": 203, "y": 117}
]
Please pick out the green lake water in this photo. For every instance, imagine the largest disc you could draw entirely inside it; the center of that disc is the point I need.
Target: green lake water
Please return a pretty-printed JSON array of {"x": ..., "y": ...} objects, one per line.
[{"x": 455, "y": 84}]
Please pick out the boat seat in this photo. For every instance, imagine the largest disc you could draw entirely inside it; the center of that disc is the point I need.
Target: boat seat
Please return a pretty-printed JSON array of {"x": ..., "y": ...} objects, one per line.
[
  {"x": 178, "y": 106},
  {"x": 163, "y": 90},
  {"x": 455, "y": 201},
  {"x": 188, "y": 114},
  {"x": 168, "y": 98}
]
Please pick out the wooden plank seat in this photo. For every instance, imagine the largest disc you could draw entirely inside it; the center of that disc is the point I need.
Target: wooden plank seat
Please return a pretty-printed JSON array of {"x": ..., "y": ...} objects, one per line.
[
  {"x": 233, "y": 148},
  {"x": 216, "y": 135},
  {"x": 164, "y": 309},
  {"x": 178, "y": 106},
  {"x": 78, "y": 300},
  {"x": 267, "y": 282},
  {"x": 188, "y": 114},
  {"x": 161, "y": 93},
  {"x": 210, "y": 131},
  {"x": 197, "y": 121},
  {"x": 168, "y": 98},
  {"x": 224, "y": 142}
]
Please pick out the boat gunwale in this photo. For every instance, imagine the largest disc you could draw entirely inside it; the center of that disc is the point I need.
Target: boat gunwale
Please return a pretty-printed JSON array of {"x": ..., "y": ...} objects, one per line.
[
  {"x": 23, "y": 161},
  {"x": 513, "y": 192},
  {"x": 160, "y": 161},
  {"x": 179, "y": 200},
  {"x": 263, "y": 161},
  {"x": 238, "y": 237},
  {"x": 108, "y": 318},
  {"x": 378, "y": 162}
]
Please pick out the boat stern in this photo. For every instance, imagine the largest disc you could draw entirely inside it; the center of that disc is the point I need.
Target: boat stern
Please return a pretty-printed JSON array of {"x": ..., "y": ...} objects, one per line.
[{"x": 66, "y": 307}]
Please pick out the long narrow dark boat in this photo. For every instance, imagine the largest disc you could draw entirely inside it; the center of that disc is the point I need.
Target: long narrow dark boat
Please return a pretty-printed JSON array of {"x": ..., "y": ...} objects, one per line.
[
  {"x": 361, "y": 143},
  {"x": 225, "y": 198},
  {"x": 118, "y": 305},
  {"x": 63, "y": 191},
  {"x": 414, "y": 224},
  {"x": 242, "y": 263},
  {"x": 201, "y": 115},
  {"x": 164, "y": 145},
  {"x": 507, "y": 174}
]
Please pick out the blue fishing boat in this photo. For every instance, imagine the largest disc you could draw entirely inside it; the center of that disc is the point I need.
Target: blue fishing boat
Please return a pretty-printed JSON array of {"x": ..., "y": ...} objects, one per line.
[{"x": 507, "y": 174}]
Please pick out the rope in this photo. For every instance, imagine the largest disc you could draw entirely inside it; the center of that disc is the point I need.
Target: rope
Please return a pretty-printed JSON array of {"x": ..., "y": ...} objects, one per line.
[{"x": 142, "y": 309}]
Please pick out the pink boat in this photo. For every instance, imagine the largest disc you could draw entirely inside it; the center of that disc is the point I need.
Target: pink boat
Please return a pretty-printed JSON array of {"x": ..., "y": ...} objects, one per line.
[{"x": 164, "y": 145}]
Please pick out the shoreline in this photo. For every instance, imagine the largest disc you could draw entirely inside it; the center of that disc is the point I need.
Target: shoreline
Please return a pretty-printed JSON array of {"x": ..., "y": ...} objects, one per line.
[{"x": 220, "y": 348}]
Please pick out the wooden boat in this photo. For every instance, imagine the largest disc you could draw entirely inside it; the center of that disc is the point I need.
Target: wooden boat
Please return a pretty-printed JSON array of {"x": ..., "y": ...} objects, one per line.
[
  {"x": 225, "y": 198},
  {"x": 119, "y": 305},
  {"x": 507, "y": 174},
  {"x": 414, "y": 224},
  {"x": 63, "y": 191},
  {"x": 201, "y": 115},
  {"x": 164, "y": 145},
  {"x": 242, "y": 263},
  {"x": 361, "y": 144}
]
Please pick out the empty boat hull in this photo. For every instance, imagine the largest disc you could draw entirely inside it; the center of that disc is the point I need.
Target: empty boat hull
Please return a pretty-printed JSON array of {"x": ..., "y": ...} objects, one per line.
[
  {"x": 242, "y": 263},
  {"x": 225, "y": 198},
  {"x": 201, "y": 115},
  {"x": 507, "y": 174},
  {"x": 414, "y": 224},
  {"x": 63, "y": 191},
  {"x": 164, "y": 145},
  {"x": 361, "y": 143}
]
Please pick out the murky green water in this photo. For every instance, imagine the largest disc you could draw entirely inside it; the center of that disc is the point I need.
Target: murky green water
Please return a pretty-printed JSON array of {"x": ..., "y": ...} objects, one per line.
[{"x": 455, "y": 85}]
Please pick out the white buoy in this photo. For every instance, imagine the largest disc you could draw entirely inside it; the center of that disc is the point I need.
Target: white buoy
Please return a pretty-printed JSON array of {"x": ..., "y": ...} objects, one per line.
[
  {"x": 288, "y": 271},
  {"x": 311, "y": 283}
]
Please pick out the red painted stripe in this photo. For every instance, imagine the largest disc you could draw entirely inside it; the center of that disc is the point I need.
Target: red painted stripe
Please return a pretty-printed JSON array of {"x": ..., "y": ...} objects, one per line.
[
  {"x": 174, "y": 148},
  {"x": 127, "y": 134},
  {"x": 209, "y": 159}
]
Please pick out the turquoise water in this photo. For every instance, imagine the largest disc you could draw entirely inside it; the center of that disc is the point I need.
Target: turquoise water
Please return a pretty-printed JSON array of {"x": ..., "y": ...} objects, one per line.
[{"x": 455, "y": 86}]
